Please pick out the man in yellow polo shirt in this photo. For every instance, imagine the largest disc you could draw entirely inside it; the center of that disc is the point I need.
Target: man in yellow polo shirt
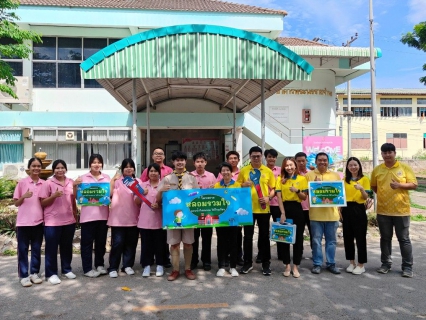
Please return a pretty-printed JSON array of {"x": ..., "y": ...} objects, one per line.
[
  {"x": 391, "y": 182},
  {"x": 324, "y": 220},
  {"x": 261, "y": 211}
]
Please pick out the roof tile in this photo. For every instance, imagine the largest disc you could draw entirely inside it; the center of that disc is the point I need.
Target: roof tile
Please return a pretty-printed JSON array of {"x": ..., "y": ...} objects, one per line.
[{"x": 291, "y": 41}]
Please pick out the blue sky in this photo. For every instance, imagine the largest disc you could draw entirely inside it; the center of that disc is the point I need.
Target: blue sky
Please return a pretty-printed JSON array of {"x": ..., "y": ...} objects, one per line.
[{"x": 335, "y": 21}]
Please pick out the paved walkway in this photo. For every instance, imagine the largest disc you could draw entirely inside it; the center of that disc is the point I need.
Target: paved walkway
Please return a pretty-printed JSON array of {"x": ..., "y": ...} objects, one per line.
[{"x": 252, "y": 296}]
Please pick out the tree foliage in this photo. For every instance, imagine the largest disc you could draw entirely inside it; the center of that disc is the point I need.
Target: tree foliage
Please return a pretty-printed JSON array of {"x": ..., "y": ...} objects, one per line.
[
  {"x": 417, "y": 39},
  {"x": 15, "y": 43}
]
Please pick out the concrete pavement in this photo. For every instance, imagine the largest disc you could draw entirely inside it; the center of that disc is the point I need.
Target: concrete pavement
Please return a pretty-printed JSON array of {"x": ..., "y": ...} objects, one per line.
[{"x": 251, "y": 296}]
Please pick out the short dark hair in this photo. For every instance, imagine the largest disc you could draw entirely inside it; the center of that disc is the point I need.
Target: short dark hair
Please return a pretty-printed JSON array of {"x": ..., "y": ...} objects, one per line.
[
  {"x": 158, "y": 148},
  {"x": 387, "y": 147},
  {"x": 300, "y": 154},
  {"x": 255, "y": 149},
  {"x": 321, "y": 154},
  {"x": 59, "y": 161},
  {"x": 225, "y": 164},
  {"x": 155, "y": 166},
  {"x": 179, "y": 155},
  {"x": 199, "y": 155},
  {"x": 271, "y": 152},
  {"x": 230, "y": 153},
  {"x": 124, "y": 164},
  {"x": 95, "y": 156}
]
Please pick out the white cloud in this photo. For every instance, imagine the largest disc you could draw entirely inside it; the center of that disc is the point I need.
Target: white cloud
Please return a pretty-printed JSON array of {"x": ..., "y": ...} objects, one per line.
[
  {"x": 417, "y": 11},
  {"x": 242, "y": 212},
  {"x": 175, "y": 200}
]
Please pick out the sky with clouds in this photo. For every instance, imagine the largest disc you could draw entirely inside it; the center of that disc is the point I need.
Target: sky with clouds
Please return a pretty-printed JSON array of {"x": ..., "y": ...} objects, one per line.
[{"x": 335, "y": 21}]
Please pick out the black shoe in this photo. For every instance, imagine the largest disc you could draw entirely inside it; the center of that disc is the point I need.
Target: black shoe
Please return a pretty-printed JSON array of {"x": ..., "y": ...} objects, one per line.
[
  {"x": 316, "y": 270},
  {"x": 266, "y": 269},
  {"x": 207, "y": 267},
  {"x": 333, "y": 269},
  {"x": 247, "y": 267},
  {"x": 407, "y": 273},
  {"x": 240, "y": 262},
  {"x": 167, "y": 265},
  {"x": 258, "y": 259},
  {"x": 194, "y": 266}
]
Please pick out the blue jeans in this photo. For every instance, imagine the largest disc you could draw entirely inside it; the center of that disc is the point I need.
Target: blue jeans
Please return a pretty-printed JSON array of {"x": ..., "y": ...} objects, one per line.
[
  {"x": 93, "y": 231},
  {"x": 124, "y": 241},
  {"x": 25, "y": 236},
  {"x": 61, "y": 236},
  {"x": 328, "y": 229}
]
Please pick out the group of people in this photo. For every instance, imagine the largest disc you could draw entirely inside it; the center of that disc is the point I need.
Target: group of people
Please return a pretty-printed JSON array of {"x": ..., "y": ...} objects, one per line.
[{"x": 48, "y": 208}]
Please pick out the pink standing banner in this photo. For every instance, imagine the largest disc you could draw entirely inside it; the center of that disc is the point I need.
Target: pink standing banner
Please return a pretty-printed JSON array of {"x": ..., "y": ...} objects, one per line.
[{"x": 332, "y": 146}]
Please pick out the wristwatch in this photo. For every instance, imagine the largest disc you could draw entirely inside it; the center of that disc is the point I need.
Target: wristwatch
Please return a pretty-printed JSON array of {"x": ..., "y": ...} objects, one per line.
[{"x": 298, "y": 191}]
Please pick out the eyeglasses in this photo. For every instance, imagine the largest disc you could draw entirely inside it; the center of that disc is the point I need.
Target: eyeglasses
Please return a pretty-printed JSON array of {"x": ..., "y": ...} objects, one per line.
[
  {"x": 255, "y": 157},
  {"x": 158, "y": 154}
]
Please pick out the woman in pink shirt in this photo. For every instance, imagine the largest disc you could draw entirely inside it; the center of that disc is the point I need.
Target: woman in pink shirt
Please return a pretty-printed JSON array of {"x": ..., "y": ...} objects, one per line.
[
  {"x": 29, "y": 223},
  {"x": 123, "y": 220},
  {"x": 150, "y": 224},
  {"x": 57, "y": 199},
  {"x": 93, "y": 221}
]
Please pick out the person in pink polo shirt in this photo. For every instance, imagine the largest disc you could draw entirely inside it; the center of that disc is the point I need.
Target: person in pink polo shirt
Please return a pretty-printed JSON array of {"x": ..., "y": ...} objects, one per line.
[
  {"x": 93, "y": 221},
  {"x": 58, "y": 200},
  {"x": 205, "y": 180},
  {"x": 29, "y": 223},
  {"x": 150, "y": 224},
  {"x": 123, "y": 220},
  {"x": 158, "y": 156}
]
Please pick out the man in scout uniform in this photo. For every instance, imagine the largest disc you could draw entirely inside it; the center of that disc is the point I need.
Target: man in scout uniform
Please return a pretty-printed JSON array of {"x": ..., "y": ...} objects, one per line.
[
  {"x": 324, "y": 220},
  {"x": 179, "y": 179},
  {"x": 391, "y": 181},
  {"x": 257, "y": 174}
]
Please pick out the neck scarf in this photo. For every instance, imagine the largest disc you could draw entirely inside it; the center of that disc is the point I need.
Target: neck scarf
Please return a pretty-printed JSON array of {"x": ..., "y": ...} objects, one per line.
[{"x": 179, "y": 176}]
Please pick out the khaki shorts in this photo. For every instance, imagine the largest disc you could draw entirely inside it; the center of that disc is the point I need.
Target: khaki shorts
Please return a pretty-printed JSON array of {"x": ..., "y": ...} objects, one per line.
[{"x": 176, "y": 236}]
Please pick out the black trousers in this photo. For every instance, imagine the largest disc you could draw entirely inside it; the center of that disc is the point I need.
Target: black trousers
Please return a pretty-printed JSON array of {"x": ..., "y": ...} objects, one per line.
[
  {"x": 152, "y": 241},
  {"x": 206, "y": 245},
  {"x": 227, "y": 239},
  {"x": 124, "y": 241},
  {"x": 355, "y": 228},
  {"x": 276, "y": 214},
  {"x": 307, "y": 223},
  {"x": 293, "y": 210},
  {"x": 93, "y": 231},
  {"x": 263, "y": 240}
]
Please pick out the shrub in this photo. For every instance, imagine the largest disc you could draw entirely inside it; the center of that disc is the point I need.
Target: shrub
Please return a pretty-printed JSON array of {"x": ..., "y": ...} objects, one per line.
[
  {"x": 6, "y": 188},
  {"x": 372, "y": 219}
]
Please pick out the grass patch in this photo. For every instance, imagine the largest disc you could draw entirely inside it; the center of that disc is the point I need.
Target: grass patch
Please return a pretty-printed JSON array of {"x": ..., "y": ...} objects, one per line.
[
  {"x": 76, "y": 251},
  {"x": 372, "y": 219},
  {"x": 418, "y": 218},
  {"x": 10, "y": 253}
]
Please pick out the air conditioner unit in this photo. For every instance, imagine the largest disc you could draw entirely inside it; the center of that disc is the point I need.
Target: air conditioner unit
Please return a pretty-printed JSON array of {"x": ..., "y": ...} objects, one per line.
[
  {"x": 14, "y": 171},
  {"x": 22, "y": 89},
  {"x": 69, "y": 135}
]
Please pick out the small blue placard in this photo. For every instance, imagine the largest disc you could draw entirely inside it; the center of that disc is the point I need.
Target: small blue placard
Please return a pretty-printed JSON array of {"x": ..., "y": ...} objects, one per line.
[
  {"x": 93, "y": 194},
  {"x": 326, "y": 194}
]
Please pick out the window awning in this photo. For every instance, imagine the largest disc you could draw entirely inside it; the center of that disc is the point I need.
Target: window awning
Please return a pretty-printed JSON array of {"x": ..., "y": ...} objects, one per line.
[{"x": 195, "y": 61}]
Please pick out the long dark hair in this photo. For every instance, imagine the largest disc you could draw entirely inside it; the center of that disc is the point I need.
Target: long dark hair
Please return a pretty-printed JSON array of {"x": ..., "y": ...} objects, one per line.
[
  {"x": 348, "y": 174},
  {"x": 59, "y": 161},
  {"x": 125, "y": 163},
  {"x": 284, "y": 174},
  {"x": 34, "y": 159}
]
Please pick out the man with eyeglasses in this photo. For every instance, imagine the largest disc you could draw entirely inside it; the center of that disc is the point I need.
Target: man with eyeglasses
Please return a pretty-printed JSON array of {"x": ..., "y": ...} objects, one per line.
[
  {"x": 158, "y": 156},
  {"x": 249, "y": 175},
  {"x": 391, "y": 181}
]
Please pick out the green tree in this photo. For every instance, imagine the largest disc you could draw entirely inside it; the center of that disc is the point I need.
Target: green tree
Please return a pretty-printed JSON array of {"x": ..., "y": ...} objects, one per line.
[
  {"x": 417, "y": 39},
  {"x": 12, "y": 43}
]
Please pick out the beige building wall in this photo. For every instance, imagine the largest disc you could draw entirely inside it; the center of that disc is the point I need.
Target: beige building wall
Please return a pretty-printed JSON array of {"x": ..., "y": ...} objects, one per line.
[{"x": 405, "y": 127}]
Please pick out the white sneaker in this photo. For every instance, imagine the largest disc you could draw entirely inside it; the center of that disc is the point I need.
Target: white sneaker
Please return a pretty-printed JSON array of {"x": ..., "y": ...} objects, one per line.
[
  {"x": 113, "y": 274},
  {"x": 220, "y": 272},
  {"x": 101, "y": 270},
  {"x": 54, "y": 279},
  {"x": 35, "y": 279},
  {"x": 350, "y": 268},
  {"x": 234, "y": 272},
  {"x": 160, "y": 271},
  {"x": 129, "y": 271},
  {"x": 26, "y": 282},
  {"x": 70, "y": 275},
  {"x": 92, "y": 274},
  {"x": 358, "y": 270},
  {"x": 146, "y": 271}
]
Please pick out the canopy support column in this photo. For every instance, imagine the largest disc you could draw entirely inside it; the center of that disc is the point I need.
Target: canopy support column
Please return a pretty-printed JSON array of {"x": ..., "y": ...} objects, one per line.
[
  {"x": 148, "y": 134},
  {"x": 134, "y": 126},
  {"x": 234, "y": 130},
  {"x": 262, "y": 113}
]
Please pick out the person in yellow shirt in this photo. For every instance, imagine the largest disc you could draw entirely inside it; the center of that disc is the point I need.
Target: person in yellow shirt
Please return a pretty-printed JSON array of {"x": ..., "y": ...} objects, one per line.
[
  {"x": 391, "y": 181},
  {"x": 354, "y": 215},
  {"x": 291, "y": 189},
  {"x": 257, "y": 175},
  {"x": 227, "y": 237},
  {"x": 324, "y": 220}
]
